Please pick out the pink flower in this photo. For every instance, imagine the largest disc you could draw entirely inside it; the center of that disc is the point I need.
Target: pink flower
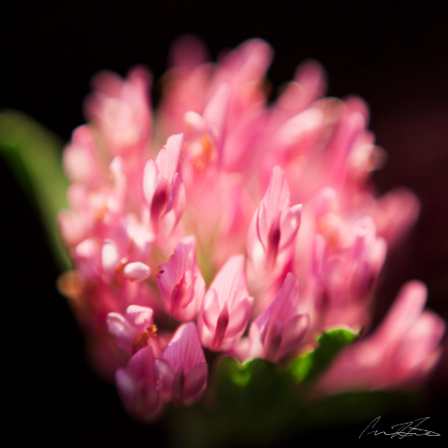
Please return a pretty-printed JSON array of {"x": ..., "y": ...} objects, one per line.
[
  {"x": 226, "y": 307},
  {"x": 270, "y": 206},
  {"x": 122, "y": 254},
  {"x": 163, "y": 189},
  {"x": 272, "y": 232},
  {"x": 182, "y": 369},
  {"x": 134, "y": 330},
  {"x": 399, "y": 353},
  {"x": 137, "y": 385},
  {"x": 280, "y": 328},
  {"x": 180, "y": 282}
]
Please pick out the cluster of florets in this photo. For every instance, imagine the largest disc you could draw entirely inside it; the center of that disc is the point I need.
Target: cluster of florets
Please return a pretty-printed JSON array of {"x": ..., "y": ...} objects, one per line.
[{"x": 253, "y": 229}]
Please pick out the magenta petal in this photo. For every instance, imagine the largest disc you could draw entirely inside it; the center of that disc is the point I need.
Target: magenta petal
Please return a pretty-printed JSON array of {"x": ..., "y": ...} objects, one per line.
[
  {"x": 139, "y": 316},
  {"x": 121, "y": 237},
  {"x": 180, "y": 282},
  {"x": 159, "y": 200},
  {"x": 211, "y": 309},
  {"x": 150, "y": 174},
  {"x": 421, "y": 341},
  {"x": 230, "y": 282},
  {"x": 226, "y": 295},
  {"x": 136, "y": 271},
  {"x": 285, "y": 304},
  {"x": 141, "y": 365},
  {"x": 137, "y": 385},
  {"x": 262, "y": 225},
  {"x": 260, "y": 325},
  {"x": 195, "y": 383},
  {"x": 404, "y": 312},
  {"x": 239, "y": 317},
  {"x": 188, "y": 52},
  {"x": 166, "y": 280},
  {"x": 124, "y": 333},
  {"x": 165, "y": 373},
  {"x": 194, "y": 122},
  {"x": 216, "y": 110},
  {"x": 109, "y": 256},
  {"x": 277, "y": 195},
  {"x": 177, "y": 198},
  {"x": 273, "y": 339},
  {"x": 185, "y": 348},
  {"x": 127, "y": 388},
  {"x": 168, "y": 157},
  {"x": 293, "y": 332},
  {"x": 289, "y": 225}
]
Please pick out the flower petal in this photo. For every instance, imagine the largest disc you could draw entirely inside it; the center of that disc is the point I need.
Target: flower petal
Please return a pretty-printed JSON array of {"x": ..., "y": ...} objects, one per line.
[{"x": 136, "y": 271}]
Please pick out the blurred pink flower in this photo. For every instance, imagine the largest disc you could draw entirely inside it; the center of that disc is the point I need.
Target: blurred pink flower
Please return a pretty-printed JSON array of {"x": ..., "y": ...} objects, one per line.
[
  {"x": 280, "y": 328},
  {"x": 227, "y": 214},
  {"x": 182, "y": 368},
  {"x": 180, "y": 282},
  {"x": 138, "y": 386},
  {"x": 401, "y": 351},
  {"x": 226, "y": 307}
]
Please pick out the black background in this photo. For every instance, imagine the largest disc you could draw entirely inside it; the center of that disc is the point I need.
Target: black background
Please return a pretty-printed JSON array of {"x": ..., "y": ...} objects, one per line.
[{"x": 393, "y": 54}]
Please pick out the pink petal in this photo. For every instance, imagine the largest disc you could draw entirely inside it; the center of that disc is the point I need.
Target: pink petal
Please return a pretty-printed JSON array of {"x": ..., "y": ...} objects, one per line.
[
  {"x": 185, "y": 348},
  {"x": 285, "y": 303},
  {"x": 226, "y": 295},
  {"x": 87, "y": 248},
  {"x": 109, "y": 256},
  {"x": 168, "y": 157},
  {"x": 230, "y": 282},
  {"x": 182, "y": 272},
  {"x": 256, "y": 56},
  {"x": 139, "y": 316},
  {"x": 79, "y": 163},
  {"x": 188, "y": 52},
  {"x": 165, "y": 373},
  {"x": 216, "y": 110},
  {"x": 311, "y": 75},
  {"x": 195, "y": 383},
  {"x": 177, "y": 198},
  {"x": 150, "y": 174},
  {"x": 421, "y": 340},
  {"x": 194, "y": 122},
  {"x": 262, "y": 226},
  {"x": 127, "y": 388},
  {"x": 296, "y": 129},
  {"x": 273, "y": 339},
  {"x": 349, "y": 131},
  {"x": 238, "y": 318},
  {"x": 277, "y": 195},
  {"x": 122, "y": 329},
  {"x": 289, "y": 225},
  {"x": 395, "y": 213},
  {"x": 159, "y": 200},
  {"x": 137, "y": 386},
  {"x": 211, "y": 309},
  {"x": 136, "y": 271},
  {"x": 293, "y": 332},
  {"x": 141, "y": 366},
  {"x": 404, "y": 313}
]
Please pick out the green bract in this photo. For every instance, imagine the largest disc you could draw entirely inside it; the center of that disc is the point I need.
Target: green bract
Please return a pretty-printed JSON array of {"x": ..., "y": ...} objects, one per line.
[{"x": 33, "y": 153}]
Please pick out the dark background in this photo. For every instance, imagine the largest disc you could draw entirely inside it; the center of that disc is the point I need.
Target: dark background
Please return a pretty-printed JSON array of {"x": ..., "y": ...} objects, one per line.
[{"x": 393, "y": 54}]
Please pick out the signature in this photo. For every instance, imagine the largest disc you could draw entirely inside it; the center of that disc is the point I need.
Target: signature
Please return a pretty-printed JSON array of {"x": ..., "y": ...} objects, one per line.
[{"x": 402, "y": 430}]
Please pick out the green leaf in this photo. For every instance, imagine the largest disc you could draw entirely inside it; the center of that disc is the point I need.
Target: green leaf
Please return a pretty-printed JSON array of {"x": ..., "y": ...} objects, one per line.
[
  {"x": 259, "y": 402},
  {"x": 254, "y": 401},
  {"x": 33, "y": 153},
  {"x": 308, "y": 367}
]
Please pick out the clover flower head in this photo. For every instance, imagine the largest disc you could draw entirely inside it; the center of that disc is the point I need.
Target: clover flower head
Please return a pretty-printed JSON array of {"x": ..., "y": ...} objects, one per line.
[{"x": 222, "y": 223}]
